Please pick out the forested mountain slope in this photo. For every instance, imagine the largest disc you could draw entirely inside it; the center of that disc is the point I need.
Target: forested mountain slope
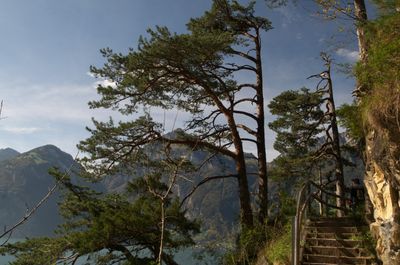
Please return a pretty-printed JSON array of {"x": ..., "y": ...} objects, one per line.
[{"x": 24, "y": 180}]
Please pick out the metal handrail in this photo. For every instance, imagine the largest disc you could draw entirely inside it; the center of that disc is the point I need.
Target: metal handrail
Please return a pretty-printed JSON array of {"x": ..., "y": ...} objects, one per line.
[{"x": 304, "y": 199}]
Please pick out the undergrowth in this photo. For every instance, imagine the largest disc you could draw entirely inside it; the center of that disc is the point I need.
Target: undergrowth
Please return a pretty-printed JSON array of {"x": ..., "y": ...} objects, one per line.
[
  {"x": 267, "y": 242},
  {"x": 278, "y": 249}
]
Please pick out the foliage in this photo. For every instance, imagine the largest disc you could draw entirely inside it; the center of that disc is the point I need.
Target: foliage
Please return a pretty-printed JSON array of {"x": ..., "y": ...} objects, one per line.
[
  {"x": 109, "y": 228},
  {"x": 248, "y": 244},
  {"x": 332, "y": 9},
  {"x": 383, "y": 56},
  {"x": 284, "y": 208},
  {"x": 271, "y": 240},
  {"x": 387, "y": 6},
  {"x": 367, "y": 241},
  {"x": 36, "y": 250},
  {"x": 349, "y": 117},
  {"x": 195, "y": 73},
  {"x": 297, "y": 126},
  {"x": 380, "y": 74},
  {"x": 270, "y": 243},
  {"x": 278, "y": 250}
]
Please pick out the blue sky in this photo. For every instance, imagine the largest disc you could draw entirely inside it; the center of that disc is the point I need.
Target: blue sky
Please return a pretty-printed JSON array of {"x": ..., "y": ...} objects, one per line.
[{"x": 47, "y": 47}]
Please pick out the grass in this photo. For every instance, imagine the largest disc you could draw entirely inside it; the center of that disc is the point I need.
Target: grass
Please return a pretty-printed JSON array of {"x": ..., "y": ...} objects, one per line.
[{"x": 278, "y": 249}]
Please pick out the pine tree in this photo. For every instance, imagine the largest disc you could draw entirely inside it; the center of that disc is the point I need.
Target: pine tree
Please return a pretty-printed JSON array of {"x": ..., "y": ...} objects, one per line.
[
  {"x": 109, "y": 228},
  {"x": 298, "y": 124},
  {"x": 300, "y": 121},
  {"x": 191, "y": 72}
]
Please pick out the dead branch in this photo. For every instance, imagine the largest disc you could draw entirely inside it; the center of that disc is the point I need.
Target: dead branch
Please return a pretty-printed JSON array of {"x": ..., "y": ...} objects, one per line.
[{"x": 207, "y": 179}]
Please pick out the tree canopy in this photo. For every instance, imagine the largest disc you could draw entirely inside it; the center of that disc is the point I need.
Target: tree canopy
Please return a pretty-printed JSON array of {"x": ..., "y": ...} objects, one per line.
[
  {"x": 298, "y": 126},
  {"x": 194, "y": 72}
]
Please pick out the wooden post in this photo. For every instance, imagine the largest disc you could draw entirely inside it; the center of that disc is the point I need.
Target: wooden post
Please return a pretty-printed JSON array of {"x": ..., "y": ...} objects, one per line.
[{"x": 321, "y": 205}]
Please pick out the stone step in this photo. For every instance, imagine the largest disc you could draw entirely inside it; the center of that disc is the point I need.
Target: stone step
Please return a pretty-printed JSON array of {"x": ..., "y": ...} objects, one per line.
[
  {"x": 333, "y": 235},
  {"x": 325, "y": 259},
  {"x": 336, "y": 251},
  {"x": 330, "y": 229},
  {"x": 333, "y": 242},
  {"x": 335, "y": 219},
  {"x": 334, "y": 222},
  {"x": 324, "y": 263}
]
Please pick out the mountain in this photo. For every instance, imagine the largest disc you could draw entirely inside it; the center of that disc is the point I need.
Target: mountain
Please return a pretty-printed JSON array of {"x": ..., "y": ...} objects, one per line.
[
  {"x": 216, "y": 203},
  {"x": 8, "y": 153},
  {"x": 24, "y": 180}
]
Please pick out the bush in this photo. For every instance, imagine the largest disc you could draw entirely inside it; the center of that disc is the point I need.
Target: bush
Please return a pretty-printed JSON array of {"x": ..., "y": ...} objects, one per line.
[{"x": 279, "y": 248}]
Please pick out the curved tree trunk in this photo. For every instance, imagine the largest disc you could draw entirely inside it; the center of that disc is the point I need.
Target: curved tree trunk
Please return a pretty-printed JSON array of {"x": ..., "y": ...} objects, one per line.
[
  {"x": 246, "y": 214},
  {"x": 360, "y": 12}
]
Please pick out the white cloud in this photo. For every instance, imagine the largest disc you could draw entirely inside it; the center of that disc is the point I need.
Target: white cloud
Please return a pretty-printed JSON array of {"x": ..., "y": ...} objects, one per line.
[
  {"x": 21, "y": 130},
  {"x": 105, "y": 83},
  {"x": 90, "y": 74},
  {"x": 47, "y": 114},
  {"x": 348, "y": 54},
  {"x": 101, "y": 81},
  {"x": 26, "y": 104}
]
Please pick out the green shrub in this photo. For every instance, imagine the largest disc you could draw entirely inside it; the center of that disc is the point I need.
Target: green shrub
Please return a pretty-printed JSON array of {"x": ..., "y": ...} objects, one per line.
[{"x": 278, "y": 250}]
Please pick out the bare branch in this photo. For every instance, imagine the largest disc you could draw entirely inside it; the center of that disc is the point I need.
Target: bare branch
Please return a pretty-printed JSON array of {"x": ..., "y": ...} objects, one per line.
[
  {"x": 247, "y": 129},
  {"x": 246, "y": 114},
  {"x": 249, "y": 140},
  {"x": 251, "y": 100},
  {"x": 244, "y": 55},
  {"x": 207, "y": 179},
  {"x": 248, "y": 85}
]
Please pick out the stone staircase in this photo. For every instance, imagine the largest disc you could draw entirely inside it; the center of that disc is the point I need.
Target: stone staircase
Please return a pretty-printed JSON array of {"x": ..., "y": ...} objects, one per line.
[{"x": 332, "y": 241}]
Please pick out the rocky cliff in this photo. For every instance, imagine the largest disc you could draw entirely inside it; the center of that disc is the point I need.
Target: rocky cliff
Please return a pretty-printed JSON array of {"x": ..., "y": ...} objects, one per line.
[
  {"x": 380, "y": 106},
  {"x": 382, "y": 181}
]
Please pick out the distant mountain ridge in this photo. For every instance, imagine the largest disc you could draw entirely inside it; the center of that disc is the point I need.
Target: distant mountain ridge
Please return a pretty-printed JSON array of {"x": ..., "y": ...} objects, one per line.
[
  {"x": 8, "y": 153},
  {"x": 24, "y": 180}
]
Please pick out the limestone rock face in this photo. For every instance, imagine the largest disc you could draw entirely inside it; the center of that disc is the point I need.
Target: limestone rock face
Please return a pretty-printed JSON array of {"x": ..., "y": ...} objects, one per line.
[{"x": 382, "y": 182}]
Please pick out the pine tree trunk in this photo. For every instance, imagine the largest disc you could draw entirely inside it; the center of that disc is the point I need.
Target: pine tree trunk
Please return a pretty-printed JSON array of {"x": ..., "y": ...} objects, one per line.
[
  {"x": 261, "y": 149},
  {"x": 360, "y": 13},
  {"x": 246, "y": 214}
]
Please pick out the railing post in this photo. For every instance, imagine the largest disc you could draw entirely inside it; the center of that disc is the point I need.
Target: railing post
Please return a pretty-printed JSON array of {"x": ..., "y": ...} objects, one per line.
[
  {"x": 308, "y": 209},
  {"x": 295, "y": 241},
  {"x": 321, "y": 205}
]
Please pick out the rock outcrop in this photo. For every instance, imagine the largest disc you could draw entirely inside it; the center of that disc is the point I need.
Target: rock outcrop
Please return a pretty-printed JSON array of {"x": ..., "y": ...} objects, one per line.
[{"x": 382, "y": 182}]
